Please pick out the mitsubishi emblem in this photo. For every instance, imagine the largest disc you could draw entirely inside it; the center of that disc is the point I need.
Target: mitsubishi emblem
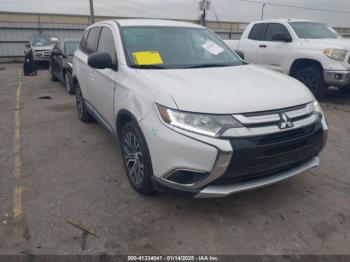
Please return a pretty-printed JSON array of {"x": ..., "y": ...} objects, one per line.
[{"x": 285, "y": 122}]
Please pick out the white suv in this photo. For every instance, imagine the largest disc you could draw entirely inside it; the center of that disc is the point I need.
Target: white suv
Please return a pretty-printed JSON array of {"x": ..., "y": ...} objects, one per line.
[{"x": 190, "y": 115}]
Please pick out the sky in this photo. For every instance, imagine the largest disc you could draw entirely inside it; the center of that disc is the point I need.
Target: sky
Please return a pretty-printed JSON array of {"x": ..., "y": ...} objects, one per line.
[{"x": 227, "y": 10}]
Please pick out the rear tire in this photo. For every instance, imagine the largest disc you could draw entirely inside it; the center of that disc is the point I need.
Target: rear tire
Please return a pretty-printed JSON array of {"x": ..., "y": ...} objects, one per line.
[
  {"x": 68, "y": 82},
  {"x": 83, "y": 113},
  {"x": 136, "y": 158},
  {"x": 312, "y": 77},
  {"x": 52, "y": 76}
]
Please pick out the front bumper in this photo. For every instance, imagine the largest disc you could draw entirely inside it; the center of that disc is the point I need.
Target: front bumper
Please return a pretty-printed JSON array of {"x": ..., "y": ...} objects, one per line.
[
  {"x": 231, "y": 164},
  {"x": 214, "y": 191},
  {"x": 337, "y": 78}
]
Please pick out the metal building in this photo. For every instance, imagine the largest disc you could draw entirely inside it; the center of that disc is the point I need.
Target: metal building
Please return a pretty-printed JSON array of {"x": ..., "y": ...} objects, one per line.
[{"x": 16, "y": 29}]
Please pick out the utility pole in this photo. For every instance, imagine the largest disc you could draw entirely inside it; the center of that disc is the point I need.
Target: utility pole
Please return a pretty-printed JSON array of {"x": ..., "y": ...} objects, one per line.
[
  {"x": 204, "y": 5},
  {"x": 262, "y": 11},
  {"x": 39, "y": 20},
  {"x": 92, "y": 14}
]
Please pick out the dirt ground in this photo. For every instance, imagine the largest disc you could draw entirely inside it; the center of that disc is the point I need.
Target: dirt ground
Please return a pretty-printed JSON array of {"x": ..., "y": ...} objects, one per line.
[{"x": 53, "y": 168}]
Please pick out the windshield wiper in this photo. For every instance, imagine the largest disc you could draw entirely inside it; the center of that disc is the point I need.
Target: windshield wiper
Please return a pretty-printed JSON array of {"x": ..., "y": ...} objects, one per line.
[
  {"x": 209, "y": 65},
  {"x": 148, "y": 66}
]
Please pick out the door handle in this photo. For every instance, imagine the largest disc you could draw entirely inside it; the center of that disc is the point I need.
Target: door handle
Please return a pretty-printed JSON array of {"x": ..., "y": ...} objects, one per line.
[{"x": 262, "y": 46}]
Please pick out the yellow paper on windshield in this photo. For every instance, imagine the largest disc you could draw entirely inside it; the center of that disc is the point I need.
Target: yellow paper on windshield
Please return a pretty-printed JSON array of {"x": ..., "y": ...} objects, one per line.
[{"x": 147, "y": 58}]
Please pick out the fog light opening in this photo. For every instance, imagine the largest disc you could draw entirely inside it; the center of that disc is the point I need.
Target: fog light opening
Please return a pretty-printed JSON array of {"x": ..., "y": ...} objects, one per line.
[
  {"x": 186, "y": 177},
  {"x": 338, "y": 76}
]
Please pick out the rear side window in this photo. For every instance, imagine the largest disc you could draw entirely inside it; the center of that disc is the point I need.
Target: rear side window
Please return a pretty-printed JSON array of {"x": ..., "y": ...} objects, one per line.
[
  {"x": 83, "y": 41},
  {"x": 92, "y": 40},
  {"x": 258, "y": 32},
  {"x": 275, "y": 28},
  {"x": 107, "y": 44}
]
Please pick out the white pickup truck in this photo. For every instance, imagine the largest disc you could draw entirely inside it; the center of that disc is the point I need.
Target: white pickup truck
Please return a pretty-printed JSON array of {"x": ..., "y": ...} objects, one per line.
[{"x": 312, "y": 52}]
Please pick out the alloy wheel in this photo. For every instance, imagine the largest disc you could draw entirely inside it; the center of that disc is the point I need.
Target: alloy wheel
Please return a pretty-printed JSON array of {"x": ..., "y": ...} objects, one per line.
[{"x": 133, "y": 158}]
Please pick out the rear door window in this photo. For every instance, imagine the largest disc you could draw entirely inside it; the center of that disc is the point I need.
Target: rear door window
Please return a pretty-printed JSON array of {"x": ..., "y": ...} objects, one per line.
[
  {"x": 258, "y": 32},
  {"x": 92, "y": 40},
  {"x": 275, "y": 28}
]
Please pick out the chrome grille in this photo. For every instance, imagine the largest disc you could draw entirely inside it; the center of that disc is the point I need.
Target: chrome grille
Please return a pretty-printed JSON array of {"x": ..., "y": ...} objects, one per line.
[
  {"x": 270, "y": 117},
  {"x": 38, "y": 53},
  {"x": 267, "y": 122}
]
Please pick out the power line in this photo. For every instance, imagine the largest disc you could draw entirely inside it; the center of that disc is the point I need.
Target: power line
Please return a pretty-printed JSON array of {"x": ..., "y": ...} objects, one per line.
[
  {"x": 215, "y": 14},
  {"x": 294, "y": 6}
]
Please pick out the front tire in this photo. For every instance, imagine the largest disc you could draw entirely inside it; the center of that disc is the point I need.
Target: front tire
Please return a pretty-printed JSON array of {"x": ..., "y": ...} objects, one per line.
[
  {"x": 136, "y": 158},
  {"x": 312, "y": 77},
  {"x": 83, "y": 114}
]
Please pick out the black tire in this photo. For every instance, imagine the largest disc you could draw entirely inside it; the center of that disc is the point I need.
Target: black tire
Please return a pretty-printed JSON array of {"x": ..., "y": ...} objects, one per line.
[
  {"x": 52, "y": 76},
  {"x": 345, "y": 90},
  {"x": 312, "y": 77},
  {"x": 68, "y": 83},
  {"x": 136, "y": 158},
  {"x": 83, "y": 113}
]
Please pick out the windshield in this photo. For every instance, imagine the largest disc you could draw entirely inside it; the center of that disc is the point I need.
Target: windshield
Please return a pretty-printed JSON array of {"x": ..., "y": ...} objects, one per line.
[
  {"x": 43, "y": 41},
  {"x": 175, "y": 47},
  {"x": 310, "y": 30},
  {"x": 70, "y": 47}
]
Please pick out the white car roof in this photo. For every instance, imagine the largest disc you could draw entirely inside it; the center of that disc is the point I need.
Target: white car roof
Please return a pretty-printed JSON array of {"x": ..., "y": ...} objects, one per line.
[
  {"x": 152, "y": 22},
  {"x": 284, "y": 21}
]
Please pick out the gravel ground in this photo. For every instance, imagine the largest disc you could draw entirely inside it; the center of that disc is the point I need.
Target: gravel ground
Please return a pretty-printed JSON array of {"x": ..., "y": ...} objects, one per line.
[{"x": 67, "y": 170}]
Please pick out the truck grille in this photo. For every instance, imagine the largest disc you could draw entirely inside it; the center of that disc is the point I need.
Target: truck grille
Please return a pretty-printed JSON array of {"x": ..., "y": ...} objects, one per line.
[
  {"x": 267, "y": 155},
  {"x": 45, "y": 54}
]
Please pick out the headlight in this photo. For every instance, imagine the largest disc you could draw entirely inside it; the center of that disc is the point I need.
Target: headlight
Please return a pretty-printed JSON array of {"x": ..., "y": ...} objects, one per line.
[
  {"x": 318, "y": 109},
  {"x": 336, "y": 54},
  {"x": 204, "y": 124}
]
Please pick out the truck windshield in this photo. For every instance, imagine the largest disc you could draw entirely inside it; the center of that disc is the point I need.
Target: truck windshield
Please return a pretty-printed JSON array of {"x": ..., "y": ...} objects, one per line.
[
  {"x": 43, "y": 40},
  {"x": 158, "y": 47},
  {"x": 311, "y": 30}
]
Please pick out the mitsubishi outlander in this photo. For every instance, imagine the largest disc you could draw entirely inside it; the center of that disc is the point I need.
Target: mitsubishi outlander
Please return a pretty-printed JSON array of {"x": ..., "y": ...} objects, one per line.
[{"x": 190, "y": 115}]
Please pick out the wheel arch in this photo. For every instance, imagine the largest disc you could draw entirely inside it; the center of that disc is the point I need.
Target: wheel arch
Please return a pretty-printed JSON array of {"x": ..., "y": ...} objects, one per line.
[
  {"x": 75, "y": 81},
  {"x": 302, "y": 63},
  {"x": 123, "y": 117}
]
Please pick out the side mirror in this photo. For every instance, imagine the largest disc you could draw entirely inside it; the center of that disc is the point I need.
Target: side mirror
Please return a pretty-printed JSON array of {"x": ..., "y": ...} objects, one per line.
[
  {"x": 281, "y": 37},
  {"x": 101, "y": 61},
  {"x": 27, "y": 45},
  {"x": 240, "y": 54},
  {"x": 56, "y": 52}
]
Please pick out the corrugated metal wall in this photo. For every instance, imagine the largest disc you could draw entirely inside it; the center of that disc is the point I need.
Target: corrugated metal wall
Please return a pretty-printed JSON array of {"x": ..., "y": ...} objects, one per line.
[
  {"x": 17, "y": 28},
  {"x": 14, "y": 35}
]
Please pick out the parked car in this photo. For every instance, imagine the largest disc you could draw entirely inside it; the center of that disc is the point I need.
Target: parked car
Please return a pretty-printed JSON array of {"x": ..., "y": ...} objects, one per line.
[
  {"x": 61, "y": 60},
  {"x": 190, "y": 116},
  {"x": 41, "y": 45},
  {"x": 310, "y": 51}
]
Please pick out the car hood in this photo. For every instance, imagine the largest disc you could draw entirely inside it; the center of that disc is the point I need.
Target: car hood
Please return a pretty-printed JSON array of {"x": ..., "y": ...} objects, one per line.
[
  {"x": 44, "y": 47},
  {"x": 332, "y": 43},
  {"x": 229, "y": 90}
]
